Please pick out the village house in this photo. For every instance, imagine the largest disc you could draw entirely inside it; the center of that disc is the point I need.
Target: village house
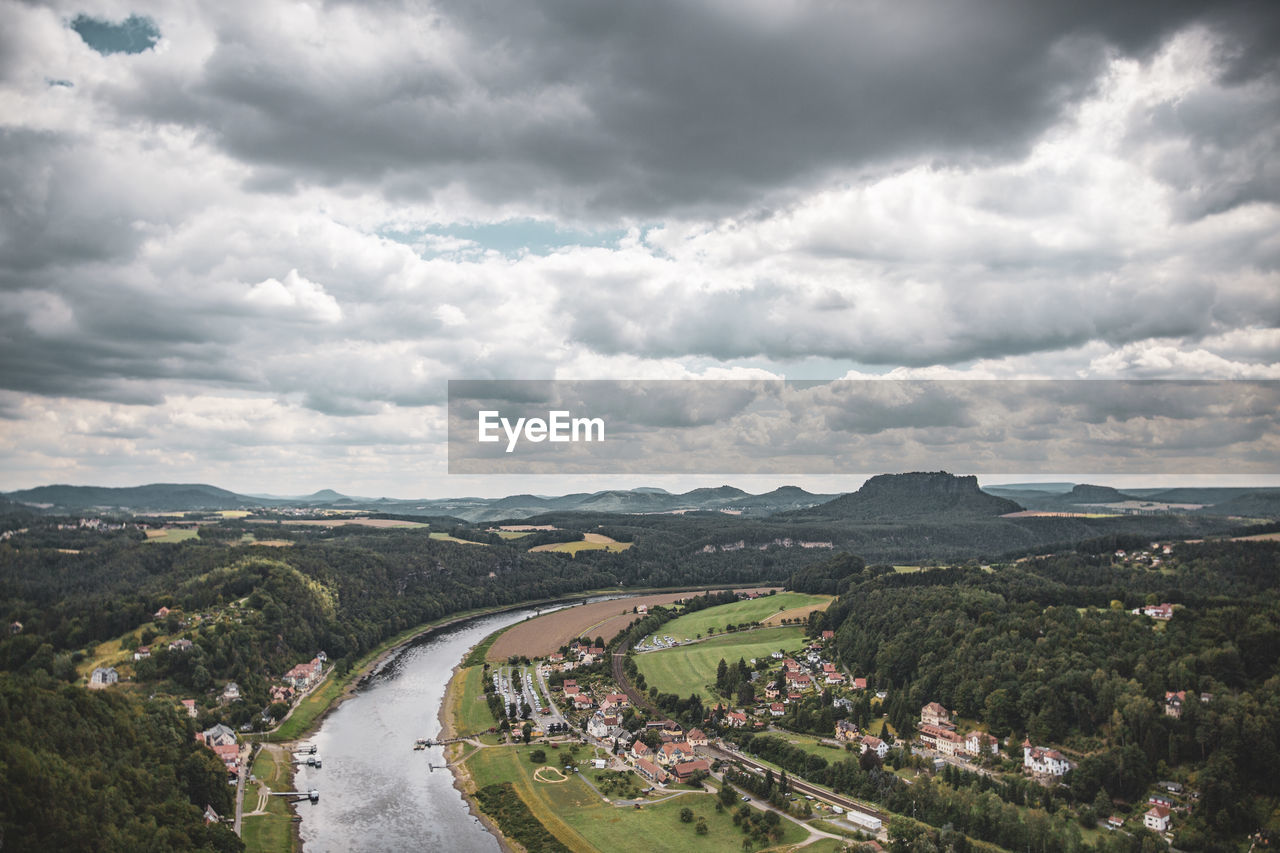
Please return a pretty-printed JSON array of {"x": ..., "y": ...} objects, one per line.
[
  {"x": 1044, "y": 762},
  {"x": 1163, "y": 612},
  {"x": 791, "y": 665},
  {"x": 640, "y": 751},
  {"x": 696, "y": 737},
  {"x": 15, "y": 627},
  {"x": 583, "y": 702},
  {"x": 183, "y": 645},
  {"x": 771, "y": 690},
  {"x": 799, "y": 681},
  {"x": 859, "y": 684},
  {"x": 1157, "y": 819},
  {"x": 794, "y": 696},
  {"x": 230, "y": 693},
  {"x": 615, "y": 700},
  {"x": 570, "y": 687},
  {"x": 1115, "y": 822},
  {"x": 934, "y": 714},
  {"x": 929, "y": 734},
  {"x": 597, "y": 727},
  {"x": 162, "y": 613},
  {"x": 103, "y": 677},
  {"x": 1173, "y": 703},
  {"x": 282, "y": 693},
  {"x": 218, "y": 735},
  {"x": 686, "y": 769},
  {"x": 835, "y": 678},
  {"x": 651, "y": 771},
  {"x": 230, "y": 755},
  {"x": 555, "y": 657},
  {"x": 874, "y": 744},
  {"x": 674, "y": 753},
  {"x": 189, "y": 705},
  {"x": 828, "y": 635},
  {"x": 304, "y": 675},
  {"x": 948, "y": 743},
  {"x": 142, "y": 653},
  {"x": 846, "y": 730},
  {"x": 736, "y": 719},
  {"x": 777, "y": 709},
  {"x": 976, "y": 743},
  {"x": 642, "y": 609}
]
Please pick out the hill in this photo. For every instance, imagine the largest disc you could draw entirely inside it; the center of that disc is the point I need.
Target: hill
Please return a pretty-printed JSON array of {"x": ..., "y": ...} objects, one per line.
[
  {"x": 918, "y": 495},
  {"x": 161, "y": 497}
]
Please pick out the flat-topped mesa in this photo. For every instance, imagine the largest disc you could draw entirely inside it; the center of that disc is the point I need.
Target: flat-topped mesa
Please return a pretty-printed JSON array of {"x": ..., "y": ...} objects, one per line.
[{"x": 893, "y": 497}]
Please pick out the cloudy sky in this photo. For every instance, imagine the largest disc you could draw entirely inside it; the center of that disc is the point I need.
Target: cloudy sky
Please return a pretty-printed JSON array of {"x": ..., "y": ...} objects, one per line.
[{"x": 248, "y": 243}]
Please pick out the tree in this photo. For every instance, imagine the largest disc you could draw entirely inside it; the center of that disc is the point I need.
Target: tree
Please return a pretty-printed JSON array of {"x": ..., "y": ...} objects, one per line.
[
  {"x": 526, "y": 732},
  {"x": 686, "y": 815},
  {"x": 701, "y": 827},
  {"x": 538, "y": 756}
]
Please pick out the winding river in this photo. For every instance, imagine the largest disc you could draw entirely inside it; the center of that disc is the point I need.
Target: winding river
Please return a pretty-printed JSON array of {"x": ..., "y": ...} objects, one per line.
[{"x": 376, "y": 792}]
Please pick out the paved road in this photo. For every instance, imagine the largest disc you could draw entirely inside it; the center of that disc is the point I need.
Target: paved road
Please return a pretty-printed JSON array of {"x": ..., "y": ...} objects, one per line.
[{"x": 240, "y": 777}]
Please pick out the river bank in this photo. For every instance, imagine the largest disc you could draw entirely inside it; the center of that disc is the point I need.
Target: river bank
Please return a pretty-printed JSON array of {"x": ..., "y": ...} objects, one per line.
[{"x": 462, "y": 781}]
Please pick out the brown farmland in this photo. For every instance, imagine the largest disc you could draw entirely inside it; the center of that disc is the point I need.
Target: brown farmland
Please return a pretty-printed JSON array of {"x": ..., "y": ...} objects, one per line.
[{"x": 543, "y": 635}]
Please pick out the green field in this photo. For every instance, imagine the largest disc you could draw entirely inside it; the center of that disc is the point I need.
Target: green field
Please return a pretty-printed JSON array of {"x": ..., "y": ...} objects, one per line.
[
  {"x": 271, "y": 832},
  {"x": 749, "y": 612},
  {"x": 690, "y": 669},
  {"x": 176, "y": 534},
  {"x": 583, "y": 821},
  {"x": 468, "y": 709}
]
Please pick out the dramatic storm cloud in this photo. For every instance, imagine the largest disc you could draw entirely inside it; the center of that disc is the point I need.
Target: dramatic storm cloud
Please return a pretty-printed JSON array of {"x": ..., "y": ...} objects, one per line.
[{"x": 250, "y": 242}]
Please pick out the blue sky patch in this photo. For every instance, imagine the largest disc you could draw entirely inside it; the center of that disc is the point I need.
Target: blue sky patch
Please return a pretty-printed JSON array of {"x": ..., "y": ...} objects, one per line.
[
  {"x": 509, "y": 237},
  {"x": 132, "y": 35}
]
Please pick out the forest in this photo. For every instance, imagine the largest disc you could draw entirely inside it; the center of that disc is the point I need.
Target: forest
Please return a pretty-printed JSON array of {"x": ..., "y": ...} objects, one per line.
[{"x": 1049, "y": 649}]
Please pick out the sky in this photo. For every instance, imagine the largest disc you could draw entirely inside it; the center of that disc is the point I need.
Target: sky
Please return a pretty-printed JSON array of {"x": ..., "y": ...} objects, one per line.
[{"x": 248, "y": 243}]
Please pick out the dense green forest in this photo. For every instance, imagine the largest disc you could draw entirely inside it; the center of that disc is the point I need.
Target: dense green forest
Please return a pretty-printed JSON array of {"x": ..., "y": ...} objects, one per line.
[
  {"x": 101, "y": 771},
  {"x": 1049, "y": 649}
]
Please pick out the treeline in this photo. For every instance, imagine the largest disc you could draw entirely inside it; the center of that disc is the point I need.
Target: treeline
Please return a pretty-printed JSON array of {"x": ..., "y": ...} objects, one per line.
[{"x": 501, "y": 802}]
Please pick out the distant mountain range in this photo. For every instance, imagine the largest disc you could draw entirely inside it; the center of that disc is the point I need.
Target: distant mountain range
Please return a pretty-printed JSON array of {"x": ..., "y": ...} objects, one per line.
[
  {"x": 886, "y": 497},
  {"x": 172, "y": 497}
]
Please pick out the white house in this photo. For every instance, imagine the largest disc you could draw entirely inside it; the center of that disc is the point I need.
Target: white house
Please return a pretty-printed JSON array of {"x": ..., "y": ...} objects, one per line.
[
  {"x": 875, "y": 745},
  {"x": 102, "y": 677},
  {"x": 1157, "y": 818},
  {"x": 1044, "y": 762}
]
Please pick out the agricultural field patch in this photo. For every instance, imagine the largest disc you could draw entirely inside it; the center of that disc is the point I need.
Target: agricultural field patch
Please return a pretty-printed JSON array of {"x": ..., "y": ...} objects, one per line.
[
  {"x": 692, "y": 669},
  {"x": 745, "y": 612},
  {"x": 590, "y": 542},
  {"x": 545, "y": 634}
]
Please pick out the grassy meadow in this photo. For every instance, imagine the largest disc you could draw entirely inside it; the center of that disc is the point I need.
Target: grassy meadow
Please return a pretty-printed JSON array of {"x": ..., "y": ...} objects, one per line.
[
  {"x": 692, "y": 669},
  {"x": 748, "y": 612}
]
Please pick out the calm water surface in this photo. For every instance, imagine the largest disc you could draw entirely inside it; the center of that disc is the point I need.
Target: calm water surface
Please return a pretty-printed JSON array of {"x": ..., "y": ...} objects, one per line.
[{"x": 376, "y": 792}]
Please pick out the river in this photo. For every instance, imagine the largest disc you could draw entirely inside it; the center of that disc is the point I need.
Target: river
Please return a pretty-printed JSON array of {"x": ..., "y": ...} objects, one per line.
[{"x": 376, "y": 792}]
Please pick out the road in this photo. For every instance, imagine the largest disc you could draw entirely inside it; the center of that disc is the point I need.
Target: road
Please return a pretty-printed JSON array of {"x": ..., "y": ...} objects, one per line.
[{"x": 240, "y": 776}]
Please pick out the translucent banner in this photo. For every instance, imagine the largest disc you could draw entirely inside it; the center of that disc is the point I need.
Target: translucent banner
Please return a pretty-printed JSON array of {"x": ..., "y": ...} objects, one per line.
[{"x": 858, "y": 426}]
